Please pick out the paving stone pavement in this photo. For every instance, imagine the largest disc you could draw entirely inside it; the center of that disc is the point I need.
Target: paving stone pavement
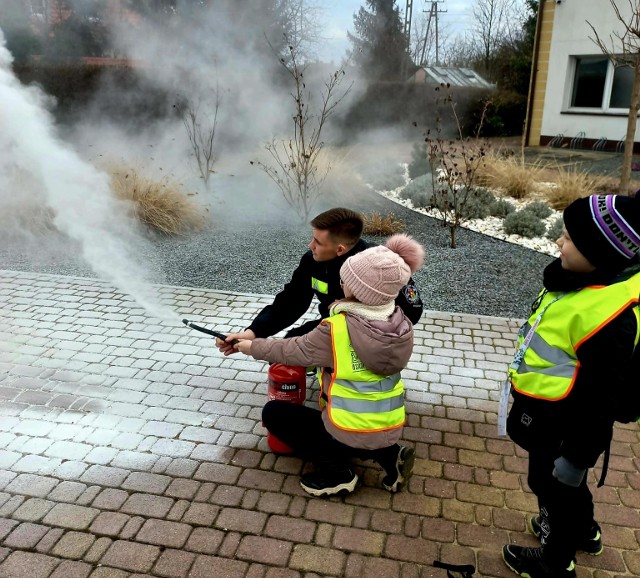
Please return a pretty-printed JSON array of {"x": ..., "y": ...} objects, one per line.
[{"x": 130, "y": 447}]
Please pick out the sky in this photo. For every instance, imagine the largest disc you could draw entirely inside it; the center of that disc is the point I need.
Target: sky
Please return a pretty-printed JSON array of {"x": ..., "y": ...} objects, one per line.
[{"x": 338, "y": 18}]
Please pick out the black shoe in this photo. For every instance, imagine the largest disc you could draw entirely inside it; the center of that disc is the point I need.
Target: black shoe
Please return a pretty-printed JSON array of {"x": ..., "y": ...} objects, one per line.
[
  {"x": 402, "y": 469},
  {"x": 528, "y": 562},
  {"x": 329, "y": 482},
  {"x": 591, "y": 545}
]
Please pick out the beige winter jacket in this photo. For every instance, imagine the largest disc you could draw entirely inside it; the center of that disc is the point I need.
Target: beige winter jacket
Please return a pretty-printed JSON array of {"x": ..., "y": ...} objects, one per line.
[{"x": 383, "y": 346}]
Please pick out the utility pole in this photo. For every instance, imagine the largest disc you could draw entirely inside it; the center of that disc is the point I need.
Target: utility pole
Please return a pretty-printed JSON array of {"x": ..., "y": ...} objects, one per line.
[
  {"x": 434, "y": 11},
  {"x": 408, "y": 14}
]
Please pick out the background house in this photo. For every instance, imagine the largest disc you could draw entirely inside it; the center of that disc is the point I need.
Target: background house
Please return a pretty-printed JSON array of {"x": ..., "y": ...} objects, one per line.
[
  {"x": 577, "y": 96},
  {"x": 449, "y": 75}
]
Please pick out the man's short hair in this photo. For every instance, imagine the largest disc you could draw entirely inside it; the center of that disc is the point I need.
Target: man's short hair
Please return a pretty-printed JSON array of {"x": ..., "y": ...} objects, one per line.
[{"x": 344, "y": 225}]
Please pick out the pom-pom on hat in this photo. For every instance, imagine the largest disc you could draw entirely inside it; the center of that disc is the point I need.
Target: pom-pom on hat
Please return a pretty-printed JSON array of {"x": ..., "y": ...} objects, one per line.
[
  {"x": 376, "y": 275},
  {"x": 606, "y": 230}
]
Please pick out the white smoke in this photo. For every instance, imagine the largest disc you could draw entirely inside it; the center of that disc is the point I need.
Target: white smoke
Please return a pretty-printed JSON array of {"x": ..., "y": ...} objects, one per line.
[{"x": 38, "y": 170}]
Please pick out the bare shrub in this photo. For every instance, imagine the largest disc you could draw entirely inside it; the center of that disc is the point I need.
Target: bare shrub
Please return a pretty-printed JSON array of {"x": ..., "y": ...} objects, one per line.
[
  {"x": 294, "y": 164},
  {"x": 454, "y": 164},
  {"x": 381, "y": 225},
  {"x": 159, "y": 204}
]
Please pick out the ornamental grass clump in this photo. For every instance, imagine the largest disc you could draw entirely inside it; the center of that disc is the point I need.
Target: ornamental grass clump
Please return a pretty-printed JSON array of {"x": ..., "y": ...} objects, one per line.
[
  {"x": 568, "y": 185},
  {"x": 159, "y": 204},
  {"x": 381, "y": 225},
  {"x": 510, "y": 175}
]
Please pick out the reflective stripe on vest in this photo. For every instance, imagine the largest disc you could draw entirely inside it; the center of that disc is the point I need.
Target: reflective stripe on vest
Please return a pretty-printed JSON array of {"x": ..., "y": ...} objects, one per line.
[
  {"x": 550, "y": 364},
  {"x": 358, "y": 399},
  {"x": 319, "y": 286}
]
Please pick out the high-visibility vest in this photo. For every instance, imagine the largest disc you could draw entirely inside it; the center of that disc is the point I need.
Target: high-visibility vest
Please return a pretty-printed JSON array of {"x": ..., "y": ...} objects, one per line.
[
  {"x": 357, "y": 399},
  {"x": 550, "y": 364}
]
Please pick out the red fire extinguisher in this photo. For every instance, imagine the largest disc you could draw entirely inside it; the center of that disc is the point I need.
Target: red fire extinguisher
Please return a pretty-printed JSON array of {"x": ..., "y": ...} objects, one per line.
[{"x": 286, "y": 383}]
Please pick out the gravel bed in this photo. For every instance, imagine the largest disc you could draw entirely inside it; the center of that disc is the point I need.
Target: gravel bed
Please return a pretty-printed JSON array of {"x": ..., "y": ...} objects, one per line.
[{"x": 482, "y": 275}]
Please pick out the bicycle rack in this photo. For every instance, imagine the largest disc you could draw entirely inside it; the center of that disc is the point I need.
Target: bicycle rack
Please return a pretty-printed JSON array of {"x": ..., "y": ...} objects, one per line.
[
  {"x": 620, "y": 145},
  {"x": 600, "y": 144},
  {"x": 556, "y": 141},
  {"x": 576, "y": 141}
]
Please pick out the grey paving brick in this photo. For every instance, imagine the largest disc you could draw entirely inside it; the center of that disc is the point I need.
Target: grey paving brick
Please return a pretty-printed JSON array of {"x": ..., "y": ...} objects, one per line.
[
  {"x": 32, "y": 485},
  {"x": 31, "y": 510},
  {"x": 145, "y": 482},
  {"x": 104, "y": 476},
  {"x": 71, "y": 516},
  {"x": 28, "y": 565},
  {"x": 134, "y": 460}
]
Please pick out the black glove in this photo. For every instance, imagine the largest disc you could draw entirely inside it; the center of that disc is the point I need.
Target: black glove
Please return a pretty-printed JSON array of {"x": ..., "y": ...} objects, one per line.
[{"x": 567, "y": 473}]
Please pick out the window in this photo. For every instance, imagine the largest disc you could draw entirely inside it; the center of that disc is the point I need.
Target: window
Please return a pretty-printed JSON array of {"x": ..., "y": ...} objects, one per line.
[
  {"x": 621, "y": 87},
  {"x": 588, "y": 82},
  {"x": 599, "y": 85}
]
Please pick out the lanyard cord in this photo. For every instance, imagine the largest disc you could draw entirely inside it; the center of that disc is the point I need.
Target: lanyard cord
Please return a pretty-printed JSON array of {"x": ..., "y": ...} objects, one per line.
[
  {"x": 522, "y": 349},
  {"x": 503, "y": 405}
]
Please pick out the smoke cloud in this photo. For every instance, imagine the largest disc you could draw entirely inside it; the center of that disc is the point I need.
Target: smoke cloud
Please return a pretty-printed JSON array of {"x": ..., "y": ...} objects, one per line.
[{"x": 40, "y": 172}]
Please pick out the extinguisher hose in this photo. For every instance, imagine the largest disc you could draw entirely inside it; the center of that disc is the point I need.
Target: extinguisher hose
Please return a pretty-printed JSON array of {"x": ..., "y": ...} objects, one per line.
[{"x": 208, "y": 331}]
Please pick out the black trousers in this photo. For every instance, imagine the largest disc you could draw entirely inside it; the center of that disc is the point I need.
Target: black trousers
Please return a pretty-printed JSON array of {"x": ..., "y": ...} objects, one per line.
[
  {"x": 566, "y": 512},
  {"x": 302, "y": 429}
]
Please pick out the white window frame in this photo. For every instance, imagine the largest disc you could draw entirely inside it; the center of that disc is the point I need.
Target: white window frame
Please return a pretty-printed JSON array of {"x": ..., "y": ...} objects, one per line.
[{"x": 606, "y": 94}]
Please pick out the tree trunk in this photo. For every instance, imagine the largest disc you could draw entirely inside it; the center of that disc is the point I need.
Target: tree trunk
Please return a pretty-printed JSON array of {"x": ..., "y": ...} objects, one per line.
[
  {"x": 634, "y": 106},
  {"x": 452, "y": 235}
]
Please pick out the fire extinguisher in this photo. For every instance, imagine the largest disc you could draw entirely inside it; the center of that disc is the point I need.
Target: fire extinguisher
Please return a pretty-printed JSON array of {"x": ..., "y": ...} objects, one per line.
[{"x": 286, "y": 383}]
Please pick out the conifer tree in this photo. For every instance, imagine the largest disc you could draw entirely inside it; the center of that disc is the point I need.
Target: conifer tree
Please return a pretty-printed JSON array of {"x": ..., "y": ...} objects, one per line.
[{"x": 380, "y": 44}]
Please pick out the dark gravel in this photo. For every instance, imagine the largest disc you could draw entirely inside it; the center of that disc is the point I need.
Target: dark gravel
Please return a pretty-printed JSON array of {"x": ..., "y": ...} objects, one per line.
[{"x": 481, "y": 276}]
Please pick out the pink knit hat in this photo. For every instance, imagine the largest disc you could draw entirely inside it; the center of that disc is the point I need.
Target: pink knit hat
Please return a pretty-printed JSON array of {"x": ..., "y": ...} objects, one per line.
[{"x": 376, "y": 275}]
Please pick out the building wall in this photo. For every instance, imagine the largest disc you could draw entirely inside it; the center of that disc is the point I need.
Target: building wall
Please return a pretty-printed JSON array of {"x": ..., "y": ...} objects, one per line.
[
  {"x": 543, "y": 49},
  {"x": 571, "y": 36}
]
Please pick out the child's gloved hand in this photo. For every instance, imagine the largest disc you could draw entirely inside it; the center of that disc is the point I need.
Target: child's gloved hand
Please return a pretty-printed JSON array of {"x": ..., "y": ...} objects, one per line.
[{"x": 567, "y": 473}]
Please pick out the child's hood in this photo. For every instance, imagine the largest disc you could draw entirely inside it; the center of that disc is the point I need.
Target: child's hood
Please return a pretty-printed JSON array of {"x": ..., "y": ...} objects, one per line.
[{"x": 383, "y": 346}]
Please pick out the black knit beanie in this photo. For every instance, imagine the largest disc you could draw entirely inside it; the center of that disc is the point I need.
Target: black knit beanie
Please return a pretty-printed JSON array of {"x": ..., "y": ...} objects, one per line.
[{"x": 606, "y": 230}]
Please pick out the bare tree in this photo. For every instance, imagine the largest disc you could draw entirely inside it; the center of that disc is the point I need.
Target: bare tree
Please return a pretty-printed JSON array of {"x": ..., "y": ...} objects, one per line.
[
  {"x": 200, "y": 121},
  {"x": 303, "y": 25},
  {"x": 296, "y": 170},
  {"x": 623, "y": 49},
  {"x": 454, "y": 165},
  {"x": 493, "y": 22}
]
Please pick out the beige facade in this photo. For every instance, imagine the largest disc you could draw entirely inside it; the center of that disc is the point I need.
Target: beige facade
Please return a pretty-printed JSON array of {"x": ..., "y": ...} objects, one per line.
[{"x": 539, "y": 72}]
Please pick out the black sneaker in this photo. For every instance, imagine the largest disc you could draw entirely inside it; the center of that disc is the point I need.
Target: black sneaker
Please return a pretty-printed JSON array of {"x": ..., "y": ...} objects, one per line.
[
  {"x": 395, "y": 480},
  {"x": 329, "y": 482},
  {"x": 591, "y": 545},
  {"x": 528, "y": 562}
]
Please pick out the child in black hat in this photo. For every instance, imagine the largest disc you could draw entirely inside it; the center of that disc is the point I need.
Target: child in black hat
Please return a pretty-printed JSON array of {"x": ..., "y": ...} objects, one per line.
[{"x": 572, "y": 377}]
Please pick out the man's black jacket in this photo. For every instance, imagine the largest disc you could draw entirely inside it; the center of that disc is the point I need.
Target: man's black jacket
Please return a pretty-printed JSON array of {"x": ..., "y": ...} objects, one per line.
[{"x": 294, "y": 300}]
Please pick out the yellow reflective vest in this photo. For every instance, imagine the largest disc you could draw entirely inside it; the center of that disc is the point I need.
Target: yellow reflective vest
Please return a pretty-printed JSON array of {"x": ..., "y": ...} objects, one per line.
[
  {"x": 550, "y": 364},
  {"x": 357, "y": 399}
]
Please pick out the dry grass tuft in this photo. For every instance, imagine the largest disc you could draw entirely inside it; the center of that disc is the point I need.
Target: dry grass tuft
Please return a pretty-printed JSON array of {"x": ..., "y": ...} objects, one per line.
[
  {"x": 569, "y": 184},
  {"x": 161, "y": 205},
  {"x": 382, "y": 225},
  {"x": 509, "y": 175}
]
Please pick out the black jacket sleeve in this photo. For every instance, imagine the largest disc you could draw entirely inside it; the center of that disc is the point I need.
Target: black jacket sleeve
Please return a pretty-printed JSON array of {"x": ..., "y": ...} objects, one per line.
[
  {"x": 601, "y": 390},
  {"x": 288, "y": 305},
  {"x": 410, "y": 302}
]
